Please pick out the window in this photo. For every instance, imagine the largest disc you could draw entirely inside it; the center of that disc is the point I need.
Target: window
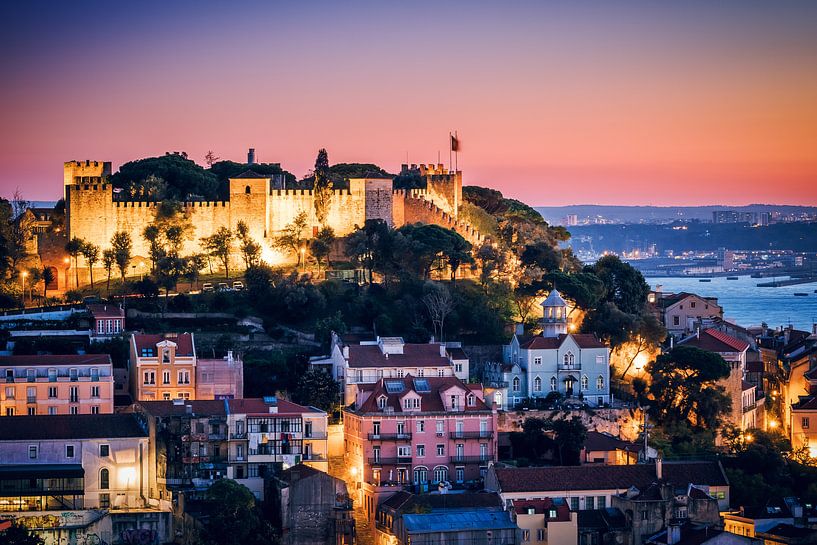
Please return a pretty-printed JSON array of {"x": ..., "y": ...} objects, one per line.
[
  {"x": 600, "y": 383},
  {"x": 166, "y": 396},
  {"x": 537, "y": 384},
  {"x": 676, "y": 320},
  {"x": 52, "y": 411},
  {"x": 184, "y": 377},
  {"x": 104, "y": 450},
  {"x": 401, "y": 428},
  {"x": 589, "y": 502},
  {"x": 585, "y": 382},
  {"x": 104, "y": 500},
  {"x": 552, "y": 514},
  {"x": 165, "y": 356},
  {"x": 94, "y": 374},
  {"x": 645, "y": 515},
  {"x": 52, "y": 375},
  {"x": 537, "y": 360},
  {"x": 73, "y": 394},
  {"x": 471, "y": 400},
  {"x": 32, "y": 452},
  {"x": 692, "y": 304},
  {"x": 574, "y": 503},
  {"x": 95, "y": 409},
  {"x": 421, "y": 451},
  {"x": 516, "y": 384},
  {"x": 440, "y": 450},
  {"x": 73, "y": 375},
  {"x": 149, "y": 377},
  {"x": 552, "y": 384},
  {"x": 525, "y": 535},
  {"x": 540, "y": 534},
  {"x": 599, "y": 360},
  {"x": 440, "y": 427},
  {"x": 9, "y": 411},
  {"x": 458, "y": 367},
  {"x": 9, "y": 392},
  {"x": 440, "y": 474},
  {"x": 52, "y": 392},
  {"x": 601, "y": 502},
  {"x": 376, "y": 453},
  {"x": 31, "y": 394},
  {"x": 376, "y": 427},
  {"x": 104, "y": 479},
  {"x": 74, "y": 410},
  {"x": 165, "y": 377},
  {"x": 403, "y": 451},
  {"x": 805, "y": 423},
  {"x": 247, "y": 190},
  {"x": 381, "y": 402},
  {"x": 31, "y": 375},
  {"x": 460, "y": 474},
  {"x": 69, "y": 451},
  {"x": 94, "y": 391},
  {"x": 421, "y": 426},
  {"x": 569, "y": 359}
]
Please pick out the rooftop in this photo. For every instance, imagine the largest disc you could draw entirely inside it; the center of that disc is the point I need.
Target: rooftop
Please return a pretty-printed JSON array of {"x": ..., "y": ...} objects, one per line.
[
  {"x": 414, "y": 355},
  {"x": 560, "y": 479},
  {"x": 55, "y": 360},
  {"x": 596, "y": 441},
  {"x": 105, "y": 310},
  {"x": 430, "y": 390},
  {"x": 147, "y": 343},
  {"x": 713, "y": 340},
  {"x": 70, "y": 426},
  {"x": 458, "y": 521},
  {"x": 583, "y": 340}
]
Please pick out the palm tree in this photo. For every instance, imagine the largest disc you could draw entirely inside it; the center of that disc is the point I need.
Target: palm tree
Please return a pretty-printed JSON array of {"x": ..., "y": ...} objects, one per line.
[
  {"x": 74, "y": 248},
  {"x": 47, "y": 275},
  {"x": 91, "y": 253}
]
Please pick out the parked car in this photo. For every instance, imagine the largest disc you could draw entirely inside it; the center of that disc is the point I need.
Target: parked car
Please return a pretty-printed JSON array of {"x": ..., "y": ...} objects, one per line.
[
  {"x": 238, "y": 285},
  {"x": 207, "y": 287},
  {"x": 222, "y": 286}
]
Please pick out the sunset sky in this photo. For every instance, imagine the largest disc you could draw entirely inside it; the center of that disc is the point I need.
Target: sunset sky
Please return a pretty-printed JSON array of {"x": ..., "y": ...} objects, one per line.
[{"x": 693, "y": 102}]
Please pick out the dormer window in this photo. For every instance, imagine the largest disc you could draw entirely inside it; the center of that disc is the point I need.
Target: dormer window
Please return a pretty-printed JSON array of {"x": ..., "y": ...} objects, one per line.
[
  {"x": 381, "y": 402},
  {"x": 471, "y": 400},
  {"x": 165, "y": 356}
]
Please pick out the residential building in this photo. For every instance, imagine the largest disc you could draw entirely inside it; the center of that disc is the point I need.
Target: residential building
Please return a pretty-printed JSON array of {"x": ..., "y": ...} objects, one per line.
[
  {"x": 429, "y": 519},
  {"x": 695, "y": 534},
  {"x": 359, "y": 359},
  {"x": 165, "y": 367},
  {"x": 107, "y": 320},
  {"x": 546, "y": 520},
  {"x": 749, "y": 521},
  {"x": 314, "y": 507},
  {"x": 77, "y": 475},
  {"x": 603, "y": 526},
  {"x": 417, "y": 432},
  {"x": 680, "y": 312},
  {"x": 788, "y": 534},
  {"x": 747, "y": 410},
  {"x": 603, "y": 448},
  {"x": 593, "y": 486},
  {"x": 196, "y": 442},
  {"x": 803, "y": 416},
  {"x": 557, "y": 362},
  {"x": 54, "y": 385},
  {"x": 269, "y": 434}
]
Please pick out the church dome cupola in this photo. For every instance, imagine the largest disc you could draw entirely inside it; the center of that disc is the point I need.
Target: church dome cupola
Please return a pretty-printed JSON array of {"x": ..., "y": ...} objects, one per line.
[{"x": 554, "y": 315}]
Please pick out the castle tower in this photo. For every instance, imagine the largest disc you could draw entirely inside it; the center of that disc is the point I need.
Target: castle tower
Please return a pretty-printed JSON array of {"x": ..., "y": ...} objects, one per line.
[
  {"x": 554, "y": 317},
  {"x": 249, "y": 202},
  {"x": 82, "y": 175}
]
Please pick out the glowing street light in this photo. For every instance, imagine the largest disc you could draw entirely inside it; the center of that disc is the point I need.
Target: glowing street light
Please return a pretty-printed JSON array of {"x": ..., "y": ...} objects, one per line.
[
  {"x": 303, "y": 259},
  {"x": 23, "y": 276}
]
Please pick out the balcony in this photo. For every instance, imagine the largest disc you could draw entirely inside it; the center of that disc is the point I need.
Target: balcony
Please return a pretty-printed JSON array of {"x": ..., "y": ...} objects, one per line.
[
  {"x": 750, "y": 407},
  {"x": 381, "y": 461},
  {"x": 482, "y": 460},
  {"x": 238, "y": 436},
  {"x": 313, "y": 457},
  {"x": 216, "y": 436},
  {"x": 31, "y": 399},
  {"x": 471, "y": 434},
  {"x": 389, "y": 437},
  {"x": 316, "y": 435},
  {"x": 571, "y": 367}
]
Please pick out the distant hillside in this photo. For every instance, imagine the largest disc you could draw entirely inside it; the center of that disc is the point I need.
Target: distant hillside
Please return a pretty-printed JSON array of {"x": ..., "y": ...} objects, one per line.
[{"x": 656, "y": 214}]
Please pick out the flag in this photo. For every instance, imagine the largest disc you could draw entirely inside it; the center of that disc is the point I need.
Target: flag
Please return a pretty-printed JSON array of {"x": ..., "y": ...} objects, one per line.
[{"x": 455, "y": 142}]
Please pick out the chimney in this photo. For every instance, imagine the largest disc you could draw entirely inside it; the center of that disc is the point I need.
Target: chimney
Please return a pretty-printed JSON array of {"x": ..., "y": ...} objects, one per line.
[
  {"x": 659, "y": 468},
  {"x": 442, "y": 350},
  {"x": 251, "y": 156},
  {"x": 673, "y": 534},
  {"x": 698, "y": 333},
  {"x": 188, "y": 409},
  {"x": 229, "y": 357}
]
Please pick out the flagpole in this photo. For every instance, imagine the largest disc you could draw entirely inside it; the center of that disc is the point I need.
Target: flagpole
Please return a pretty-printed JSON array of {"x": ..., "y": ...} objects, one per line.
[
  {"x": 450, "y": 151},
  {"x": 456, "y": 166}
]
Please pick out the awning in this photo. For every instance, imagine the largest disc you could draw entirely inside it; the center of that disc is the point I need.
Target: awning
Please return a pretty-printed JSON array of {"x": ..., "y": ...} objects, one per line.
[
  {"x": 41, "y": 471},
  {"x": 571, "y": 378}
]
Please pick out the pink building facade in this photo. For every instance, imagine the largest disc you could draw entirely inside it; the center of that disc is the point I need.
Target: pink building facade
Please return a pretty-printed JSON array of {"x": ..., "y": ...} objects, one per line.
[{"x": 417, "y": 432}]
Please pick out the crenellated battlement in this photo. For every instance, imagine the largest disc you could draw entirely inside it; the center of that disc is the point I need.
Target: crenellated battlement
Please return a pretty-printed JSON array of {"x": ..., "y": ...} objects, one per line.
[{"x": 91, "y": 186}]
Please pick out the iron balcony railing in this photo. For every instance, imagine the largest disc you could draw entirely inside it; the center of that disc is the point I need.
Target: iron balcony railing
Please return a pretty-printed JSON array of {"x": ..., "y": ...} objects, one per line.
[
  {"x": 471, "y": 459},
  {"x": 471, "y": 434},
  {"x": 381, "y": 461},
  {"x": 389, "y": 437}
]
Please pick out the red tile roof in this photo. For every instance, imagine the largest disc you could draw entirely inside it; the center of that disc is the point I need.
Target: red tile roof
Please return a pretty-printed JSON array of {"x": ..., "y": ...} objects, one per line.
[
  {"x": 257, "y": 406},
  {"x": 561, "y": 479},
  {"x": 596, "y": 441},
  {"x": 414, "y": 355},
  {"x": 207, "y": 407},
  {"x": 55, "y": 360},
  {"x": 584, "y": 340},
  {"x": 183, "y": 341},
  {"x": 542, "y": 507},
  {"x": 713, "y": 340},
  {"x": 105, "y": 310},
  {"x": 430, "y": 401}
]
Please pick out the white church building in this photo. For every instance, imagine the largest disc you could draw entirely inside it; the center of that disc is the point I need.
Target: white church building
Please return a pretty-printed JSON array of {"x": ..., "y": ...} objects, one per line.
[{"x": 577, "y": 365}]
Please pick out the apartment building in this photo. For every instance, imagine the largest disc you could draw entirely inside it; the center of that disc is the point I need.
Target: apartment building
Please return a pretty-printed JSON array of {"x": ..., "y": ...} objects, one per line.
[
  {"x": 108, "y": 320},
  {"x": 359, "y": 359},
  {"x": 418, "y": 433},
  {"x": 72, "y": 476},
  {"x": 165, "y": 367},
  {"x": 56, "y": 385}
]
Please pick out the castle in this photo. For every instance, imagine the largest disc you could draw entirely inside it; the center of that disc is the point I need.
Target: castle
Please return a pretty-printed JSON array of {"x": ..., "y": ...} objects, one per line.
[{"x": 94, "y": 212}]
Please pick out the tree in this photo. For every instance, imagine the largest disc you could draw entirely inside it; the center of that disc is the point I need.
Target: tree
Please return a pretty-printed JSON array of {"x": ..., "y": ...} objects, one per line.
[
  {"x": 625, "y": 285},
  {"x": 121, "y": 246},
  {"x": 684, "y": 387},
  {"x": 322, "y": 188},
  {"x": 291, "y": 239},
  {"x": 318, "y": 389},
  {"x": 541, "y": 256},
  {"x": 458, "y": 252},
  {"x": 321, "y": 245},
  {"x": 210, "y": 158},
  {"x": 34, "y": 277},
  {"x": 91, "y": 253},
  {"x": 648, "y": 334},
  {"x": 219, "y": 245},
  {"x": 234, "y": 517},
  {"x": 152, "y": 235},
  {"x": 569, "y": 436},
  {"x": 325, "y": 326},
  {"x": 250, "y": 250},
  {"x": 367, "y": 246},
  {"x": 74, "y": 247},
  {"x": 18, "y": 229},
  {"x": 180, "y": 179},
  {"x": 439, "y": 303},
  {"x": 108, "y": 261},
  {"x": 193, "y": 266},
  {"x": 168, "y": 271},
  {"x": 47, "y": 274},
  {"x": 17, "y": 534}
]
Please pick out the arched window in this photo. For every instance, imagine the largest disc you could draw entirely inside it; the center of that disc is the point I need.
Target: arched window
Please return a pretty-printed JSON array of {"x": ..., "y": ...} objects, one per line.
[
  {"x": 600, "y": 383},
  {"x": 552, "y": 384},
  {"x": 104, "y": 479},
  {"x": 585, "y": 382},
  {"x": 498, "y": 399},
  {"x": 537, "y": 384},
  {"x": 247, "y": 190},
  {"x": 440, "y": 474},
  {"x": 515, "y": 384},
  {"x": 569, "y": 360},
  {"x": 420, "y": 474}
]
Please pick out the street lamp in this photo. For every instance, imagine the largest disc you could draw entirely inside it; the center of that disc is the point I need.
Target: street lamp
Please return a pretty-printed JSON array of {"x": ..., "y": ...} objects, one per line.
[
  {"x": 67, "y": 262},
  {"x": 303, "y": 259},
  {"x": 23, "y": 276}
]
